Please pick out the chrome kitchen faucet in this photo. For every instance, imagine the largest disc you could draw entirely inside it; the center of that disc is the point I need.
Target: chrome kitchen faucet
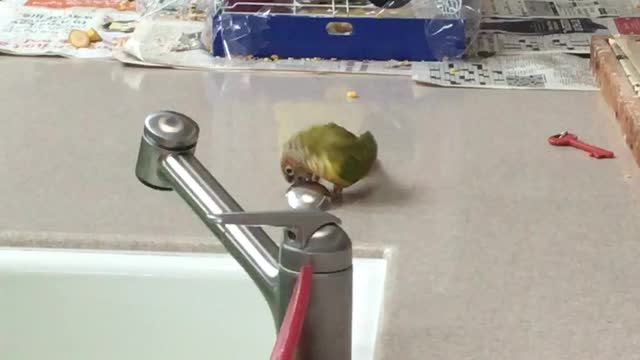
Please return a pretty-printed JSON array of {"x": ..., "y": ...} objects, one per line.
[{"x": 166, "y": 161}]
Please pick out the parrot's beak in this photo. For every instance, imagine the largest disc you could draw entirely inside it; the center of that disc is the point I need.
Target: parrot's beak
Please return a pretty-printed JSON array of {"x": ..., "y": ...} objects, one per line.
[{"x": 289, "y": 178}]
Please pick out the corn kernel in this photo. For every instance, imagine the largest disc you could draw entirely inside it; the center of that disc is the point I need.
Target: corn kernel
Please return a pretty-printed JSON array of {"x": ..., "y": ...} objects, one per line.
[
  {"x": 93, "y": 35},
  {"x": 79, "y": 39}
]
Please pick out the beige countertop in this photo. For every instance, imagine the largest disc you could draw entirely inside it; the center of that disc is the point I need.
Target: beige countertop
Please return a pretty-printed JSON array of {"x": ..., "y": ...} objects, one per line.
[{"x": 501, "y": 246}]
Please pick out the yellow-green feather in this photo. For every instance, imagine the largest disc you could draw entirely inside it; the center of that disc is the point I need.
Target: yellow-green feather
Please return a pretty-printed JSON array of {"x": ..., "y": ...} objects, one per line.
[{"x": 335, "y": 154}]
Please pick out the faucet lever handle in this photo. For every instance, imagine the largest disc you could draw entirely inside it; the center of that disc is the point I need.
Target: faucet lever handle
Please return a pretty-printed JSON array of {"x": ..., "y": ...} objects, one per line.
[{"x": 301, "y": 224}]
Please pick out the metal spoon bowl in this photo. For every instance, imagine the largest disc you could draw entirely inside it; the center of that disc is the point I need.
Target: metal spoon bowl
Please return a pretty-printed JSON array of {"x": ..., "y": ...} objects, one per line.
[{"x": 308, "y": 196}]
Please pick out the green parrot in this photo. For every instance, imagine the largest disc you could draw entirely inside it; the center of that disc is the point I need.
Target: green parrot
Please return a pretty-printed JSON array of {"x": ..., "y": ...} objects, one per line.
[{"x": 329, "y": 152}]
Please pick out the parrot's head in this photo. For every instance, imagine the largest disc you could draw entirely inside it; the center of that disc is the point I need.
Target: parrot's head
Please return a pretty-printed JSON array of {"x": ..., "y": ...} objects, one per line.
[{"x": 294, "y": 170}]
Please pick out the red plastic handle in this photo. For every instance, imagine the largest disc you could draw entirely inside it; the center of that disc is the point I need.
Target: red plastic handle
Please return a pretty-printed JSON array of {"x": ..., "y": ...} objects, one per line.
[
  {"x": 568, "y": 139},
  {"x": 291, "y": 328},
  {"x": 594, "y": 151}
]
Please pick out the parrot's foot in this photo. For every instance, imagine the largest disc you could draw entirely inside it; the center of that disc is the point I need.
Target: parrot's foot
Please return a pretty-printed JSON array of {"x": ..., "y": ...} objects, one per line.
[{"x": 336, "y": 194}]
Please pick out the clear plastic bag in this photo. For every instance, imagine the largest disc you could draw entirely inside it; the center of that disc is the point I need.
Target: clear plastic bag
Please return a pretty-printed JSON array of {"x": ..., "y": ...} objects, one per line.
[{"x": 180, "y": 9}]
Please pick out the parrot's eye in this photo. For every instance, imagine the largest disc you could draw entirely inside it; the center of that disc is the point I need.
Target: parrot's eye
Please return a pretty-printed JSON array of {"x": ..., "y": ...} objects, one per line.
[{"x": 288, "y": 170}]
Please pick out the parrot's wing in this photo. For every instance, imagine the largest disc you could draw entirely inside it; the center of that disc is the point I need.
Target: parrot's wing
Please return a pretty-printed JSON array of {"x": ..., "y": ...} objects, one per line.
[
  {"x": 327, "y": 136},
  {"x": 354, "y": 161}
]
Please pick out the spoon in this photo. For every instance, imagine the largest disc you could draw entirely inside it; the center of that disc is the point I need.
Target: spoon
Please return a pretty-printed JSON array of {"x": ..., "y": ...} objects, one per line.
[{"x": 307, "y": 196}]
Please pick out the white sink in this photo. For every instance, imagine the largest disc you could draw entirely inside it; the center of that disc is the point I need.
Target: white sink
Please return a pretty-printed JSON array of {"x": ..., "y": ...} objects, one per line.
[{"x": 82, "y": 305}]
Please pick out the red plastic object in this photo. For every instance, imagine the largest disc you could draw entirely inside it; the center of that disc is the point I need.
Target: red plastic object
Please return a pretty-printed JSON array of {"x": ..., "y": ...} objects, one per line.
[
  {"x": 291, "y": 327},
  {"x": 568, "y": 139}
]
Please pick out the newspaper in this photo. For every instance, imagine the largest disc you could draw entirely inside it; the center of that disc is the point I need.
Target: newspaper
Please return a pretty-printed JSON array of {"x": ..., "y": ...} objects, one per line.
[
  {"x": 153, "y": 40},
  {"x": 43, "y": 31},
  {"x": 539, "y": 71},
  {"x": 548, "y": 26},
  {"x": 509, "y": 37},
  {"x": 63, "y": 4},
  {"x": 558, "y": 8},
  {"x": 513, "y": 44}
]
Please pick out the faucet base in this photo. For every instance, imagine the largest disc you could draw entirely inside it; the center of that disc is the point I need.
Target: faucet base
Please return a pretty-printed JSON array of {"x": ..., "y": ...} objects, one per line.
[{"x": 154, "y": 187}]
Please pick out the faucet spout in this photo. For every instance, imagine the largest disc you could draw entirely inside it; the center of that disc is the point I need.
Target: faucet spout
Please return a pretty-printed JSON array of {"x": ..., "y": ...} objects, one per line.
[{"x": 166, "y": 161}]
